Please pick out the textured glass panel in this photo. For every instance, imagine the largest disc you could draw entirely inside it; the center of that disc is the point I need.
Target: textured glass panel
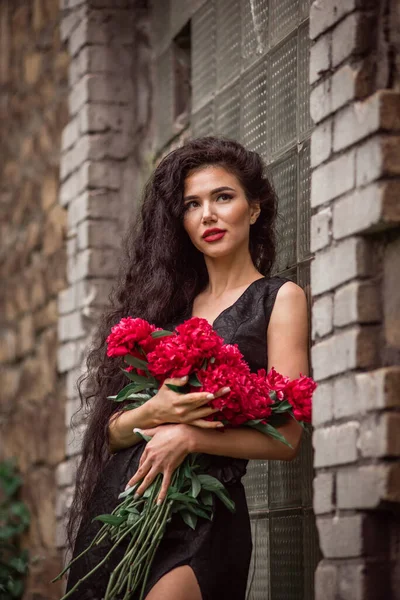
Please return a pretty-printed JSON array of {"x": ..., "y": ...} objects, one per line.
[
  {"x": 286, "y": 551},
  {"x": 304, "y": 121},
  {"x": 284, "y": 483},
  {"x": 282, "y": 95},
  {"x": 256, "y": 484},
  {"x": 284, "y": 175},
  {"x": 254, "y": 108},
  {"x": 303, "y": 279},
  {"x": 307, "y": 470},
  {"x": 254, "y": 28},
  {"x": 258, "y": 581},
  {"x": 203, "y": 54},
  {"x": 164, "y": 87},
  {"x": 305, "y": 8},
  {"x": 228, "y": 40},
  {"x": 304, "y": 215},
  {"x": 203, "y": 121},
  {"x": 283, "y": 18},
  {"x": 311, "y": 553},
  {"x": 227, "y": 112},
  {"x": 181, "y": 12}
]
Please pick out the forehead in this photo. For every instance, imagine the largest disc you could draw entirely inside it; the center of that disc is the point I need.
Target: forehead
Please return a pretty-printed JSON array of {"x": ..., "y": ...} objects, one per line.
[{"x": 205, "y": 179}]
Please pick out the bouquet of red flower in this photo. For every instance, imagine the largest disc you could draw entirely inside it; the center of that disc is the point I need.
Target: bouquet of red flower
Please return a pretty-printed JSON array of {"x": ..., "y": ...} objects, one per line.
[{"x": 256, "y": 400}]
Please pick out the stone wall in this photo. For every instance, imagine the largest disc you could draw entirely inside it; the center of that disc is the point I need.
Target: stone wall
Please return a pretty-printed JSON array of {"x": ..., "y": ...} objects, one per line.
[
  {"x": 33, "y": 112},
  {"x": 355, "y": 157}
]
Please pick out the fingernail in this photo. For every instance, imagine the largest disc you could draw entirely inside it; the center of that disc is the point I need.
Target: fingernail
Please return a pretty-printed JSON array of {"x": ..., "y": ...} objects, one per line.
[
  {"x": 183, "y": 379},
  {"x": 126, "y": 487},
  {"x": 159, "y": 502},
  {"x": 220, "y": 425},
  {"x": 136, "y": 496},
  {"x": 225, "y": 390},
  {"x": 210, "y": 396},
  {"x": 136, "y": 429}
]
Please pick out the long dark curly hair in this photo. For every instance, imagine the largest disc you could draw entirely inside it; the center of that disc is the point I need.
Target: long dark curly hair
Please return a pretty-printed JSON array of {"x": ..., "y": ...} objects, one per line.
[{"x": 161, "y": 274}]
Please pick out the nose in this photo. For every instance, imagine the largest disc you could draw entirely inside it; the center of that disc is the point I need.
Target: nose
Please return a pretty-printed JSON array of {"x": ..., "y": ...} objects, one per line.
[{"x": 208, "y": 213}]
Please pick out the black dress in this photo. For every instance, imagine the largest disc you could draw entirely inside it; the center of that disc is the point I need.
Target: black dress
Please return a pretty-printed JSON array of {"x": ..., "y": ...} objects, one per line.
[{"x": 219, "y": 551}]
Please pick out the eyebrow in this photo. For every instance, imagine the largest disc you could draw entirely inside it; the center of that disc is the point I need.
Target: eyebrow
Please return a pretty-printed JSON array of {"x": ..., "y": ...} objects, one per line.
[{"x": 215, "y": 191}]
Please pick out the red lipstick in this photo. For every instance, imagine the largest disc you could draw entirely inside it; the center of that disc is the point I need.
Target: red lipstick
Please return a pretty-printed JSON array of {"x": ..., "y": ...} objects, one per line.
[{"x": 214, "y": 234}]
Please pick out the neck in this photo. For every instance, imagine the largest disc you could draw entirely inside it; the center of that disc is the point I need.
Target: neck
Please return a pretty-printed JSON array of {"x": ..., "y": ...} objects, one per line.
[{"x": 230, "y": 272}]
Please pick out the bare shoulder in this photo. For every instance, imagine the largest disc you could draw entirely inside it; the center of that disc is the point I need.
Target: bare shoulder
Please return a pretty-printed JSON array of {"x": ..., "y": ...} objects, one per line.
[{"x": 290, "y": 300}]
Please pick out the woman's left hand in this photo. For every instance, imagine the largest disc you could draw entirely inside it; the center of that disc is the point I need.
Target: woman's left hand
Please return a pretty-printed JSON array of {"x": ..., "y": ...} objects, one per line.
[{"x": 166, "y": 450}]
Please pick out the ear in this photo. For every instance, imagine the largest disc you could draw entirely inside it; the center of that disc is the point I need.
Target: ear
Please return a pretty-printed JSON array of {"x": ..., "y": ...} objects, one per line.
[{"x": 254, "y": 212}]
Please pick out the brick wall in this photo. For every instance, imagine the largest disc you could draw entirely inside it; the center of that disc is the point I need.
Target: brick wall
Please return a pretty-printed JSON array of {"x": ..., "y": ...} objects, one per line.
[
  {"x": 355, "y": 157},
  {"x": 105, "y": 153},
  {"x": 33, "y": 80}
]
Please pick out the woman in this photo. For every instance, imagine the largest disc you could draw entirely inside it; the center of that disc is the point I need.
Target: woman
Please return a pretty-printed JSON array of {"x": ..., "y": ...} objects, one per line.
[{"x": 205, "y": 247}]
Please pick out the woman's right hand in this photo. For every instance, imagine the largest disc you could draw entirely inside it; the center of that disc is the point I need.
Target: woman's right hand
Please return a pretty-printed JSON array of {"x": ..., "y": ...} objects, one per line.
[{"x": 174, "y": 407}]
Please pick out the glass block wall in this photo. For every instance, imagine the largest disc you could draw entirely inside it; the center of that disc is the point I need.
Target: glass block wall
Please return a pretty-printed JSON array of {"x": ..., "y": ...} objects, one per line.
[{"x": 249, "y": 81}]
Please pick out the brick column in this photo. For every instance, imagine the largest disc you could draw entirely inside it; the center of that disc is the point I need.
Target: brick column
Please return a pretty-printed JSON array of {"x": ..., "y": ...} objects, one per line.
[
  {"x": 355, "y": 235},
  {"x": 100, "y": 181}
]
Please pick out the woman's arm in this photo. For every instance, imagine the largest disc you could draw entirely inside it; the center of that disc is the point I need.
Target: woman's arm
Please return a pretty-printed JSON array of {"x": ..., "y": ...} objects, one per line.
[
  {"x": 287, "y": 339},
  {"x": 120, "y": 426}
]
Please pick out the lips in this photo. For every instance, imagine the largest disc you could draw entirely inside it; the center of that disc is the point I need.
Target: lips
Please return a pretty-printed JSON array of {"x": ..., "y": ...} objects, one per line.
[{"x": 210, "y": 233}]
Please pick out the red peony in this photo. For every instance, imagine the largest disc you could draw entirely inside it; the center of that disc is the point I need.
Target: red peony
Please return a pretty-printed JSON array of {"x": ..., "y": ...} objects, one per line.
[
  {"x": 128, "y": 333},
  {"x": 299, "y": 393}
]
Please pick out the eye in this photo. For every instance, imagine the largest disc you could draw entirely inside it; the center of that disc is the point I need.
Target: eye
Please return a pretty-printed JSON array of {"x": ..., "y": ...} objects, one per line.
[
  {"x": 191, "y": 204},
  {"x": 224, "y": 196}
]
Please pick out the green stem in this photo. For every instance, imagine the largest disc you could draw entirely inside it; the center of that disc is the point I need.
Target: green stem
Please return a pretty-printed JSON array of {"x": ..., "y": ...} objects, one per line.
[
  {"x": 68, "y": 594},
  {"x": 96, "y": 540}
]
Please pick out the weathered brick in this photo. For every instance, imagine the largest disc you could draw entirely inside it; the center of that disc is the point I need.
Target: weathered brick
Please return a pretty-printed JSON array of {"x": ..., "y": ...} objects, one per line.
[
  {"x": 366, "y": 210},
  {"x": 103, "y": 174},
  {"x": 344, "y": 86},
  {"x": 340, "y": 263},
  {"x": 322, "y": 316},
  {"x": 333, "y": 179},
  {"x": 377, "y": 157},
  {"x": 326, "y": 581},
  {"x": 92, "y": 262},
  {"x": 322, "y": 410},
  {"x": 325, "y": 13},
  {"x": 73, "y": 413},
  {"x": 93, "y": 292},
  {"x": 98, "y": 234},
  {"x": 71, "y": 327},
  {"x": 378, "y": 389},
  {"x": 320, "y": 60},
  {"x": 321, "y": 101},
  {"x": 66, "y": 472},
  {"x": 360, "y": 119},
  {"x": 379, "y": 435},
  {"x": 351, "y": 36},
  {"x": 346, "y": 401},
  {"x": 350, "y": 349},
  {"x": 74, "y": 440},
  {"x": 71, "y": 380},
  {"x": 92, "y": 204},
  {"x": 69, "y": 135},
  {"x": 335, "y": 445},
  {"x": 321, "y": 229},
  {"x": 341, "y": 537},
  {"x": 69, "y": 189},
  {"x": 323, "y": 485},
  {"x": 356, "y": 302},
  {"x": 67, "y": 300},
  {"x": 70, "y": 355},
  {"x": 321, "y": 143},
  {"x": 366, "y": 487},
  {"x": 94, "y": 118}
]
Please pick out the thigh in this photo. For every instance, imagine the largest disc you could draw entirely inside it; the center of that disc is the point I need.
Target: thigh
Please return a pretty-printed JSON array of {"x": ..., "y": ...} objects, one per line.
[{"x": 178, "y": 584}]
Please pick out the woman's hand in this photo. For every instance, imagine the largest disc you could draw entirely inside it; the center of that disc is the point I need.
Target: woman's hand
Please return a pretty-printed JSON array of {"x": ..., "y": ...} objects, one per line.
[
  {"x": 172, "y": 407},
  {"x": 168, "y": 448}
]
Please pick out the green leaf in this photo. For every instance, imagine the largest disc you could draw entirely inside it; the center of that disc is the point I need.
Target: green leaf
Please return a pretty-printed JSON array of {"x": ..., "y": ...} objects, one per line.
[
  {"x": 283, "y": 406},
  {"x": 204, "y": 364},
  {"x": 212, "y": 360},
  {"x": 200, "y": 512},
  {"x": 176, "y": 388},
  {"x": 273, "y": 395},
  {"x": 210, "y": 483},
  {"x": 114, "y": 520},
  {"x": 123, "y": 394},
  {"x": 136, "y": 362},
  {"x": 182, "y": 498},
  {"x": 196, "y": 485},
  {"x": 132, "y": 406},
  {"x": 269, "y": 430},
  {"x": 206, "y": 497},
  {"x": 162, "y": 333},
  {"x": 189, "y": 518},
  {"x": 193, "y": 380},
  {"x": 229, "y": 503},
  {"x": 129, "y": 491},
  {"x": 132, "y": 518}
]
